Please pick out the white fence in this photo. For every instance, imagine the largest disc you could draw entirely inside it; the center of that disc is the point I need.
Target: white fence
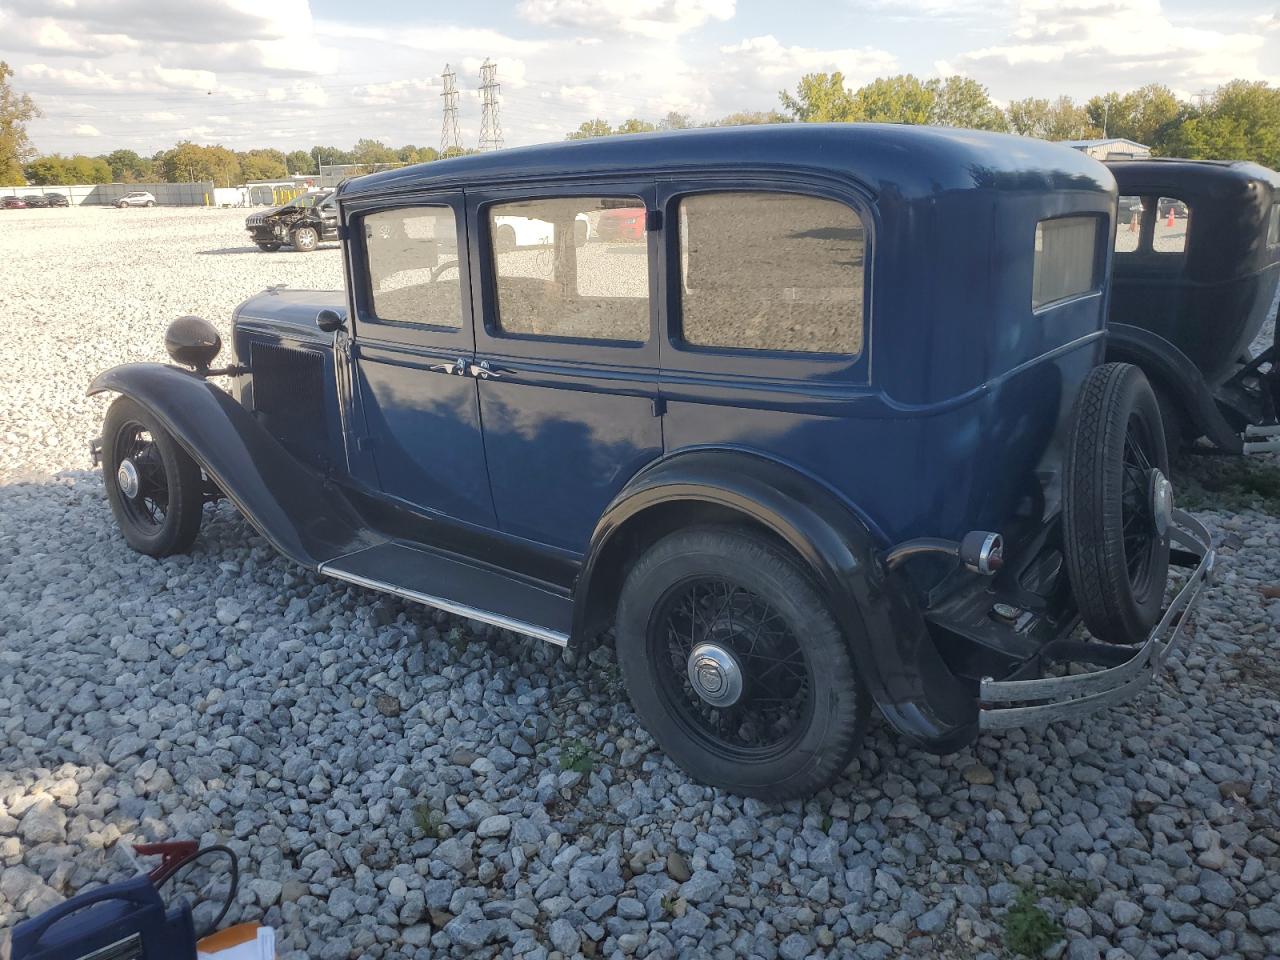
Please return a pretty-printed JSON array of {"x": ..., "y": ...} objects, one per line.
[{"x": 105, "y": 194}]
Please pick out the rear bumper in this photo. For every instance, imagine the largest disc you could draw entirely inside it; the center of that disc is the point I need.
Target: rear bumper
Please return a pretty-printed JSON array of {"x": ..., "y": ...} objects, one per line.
[{"x": 1006, "y": 704}]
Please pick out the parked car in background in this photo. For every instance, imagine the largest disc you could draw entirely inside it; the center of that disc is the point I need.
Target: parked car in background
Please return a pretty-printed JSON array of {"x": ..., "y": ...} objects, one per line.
[
  {"x": 35, "y": 200},
  {"x": 799, "y": 476},
  {"x": 136, "y": 198},
  {"x": 621, "y": 223},
  {"x": 516, "y": 230},
  {"x": 13, "y": 203},
  {"x": 57, "y": 199},
  {"x": 303, "y": 223},
  {"x": 1190, "y": 296}
]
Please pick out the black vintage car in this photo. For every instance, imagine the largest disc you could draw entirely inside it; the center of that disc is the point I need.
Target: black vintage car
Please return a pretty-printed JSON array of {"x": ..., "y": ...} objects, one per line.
[
  {"x": 1196, "y": 270},
  {"x": 303, "y": 223},
  {"x": 678, "y": 431}
]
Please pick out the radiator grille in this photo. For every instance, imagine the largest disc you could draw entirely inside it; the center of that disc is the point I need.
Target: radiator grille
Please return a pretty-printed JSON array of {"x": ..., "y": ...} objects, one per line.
[{"x": 288, "y": 397}]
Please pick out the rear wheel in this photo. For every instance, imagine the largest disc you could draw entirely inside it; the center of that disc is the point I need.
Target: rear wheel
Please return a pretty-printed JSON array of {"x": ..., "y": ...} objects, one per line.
[
  {"x": 151, "y": 203},
  {"x": 736, "y": 666},
  {"x": 305, "y": 239},
  {"x": 154, "y": 487},
  {"x": 1117, "y": 504}
]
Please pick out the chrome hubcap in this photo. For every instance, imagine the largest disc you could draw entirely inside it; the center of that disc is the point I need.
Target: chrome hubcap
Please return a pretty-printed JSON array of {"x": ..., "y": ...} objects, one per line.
[
  {"x": 715, "y": 675},
  {"x": 127, "y": 478},
  {"x": 1161, "y": 502}
]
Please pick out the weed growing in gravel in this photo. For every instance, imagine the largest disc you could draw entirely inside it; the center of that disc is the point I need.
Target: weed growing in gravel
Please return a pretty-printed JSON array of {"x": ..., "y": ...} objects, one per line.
[
  {"x": 1028, "y": 930},
  {"x": 577, "y": 756},
  {"x": 428, "y": 820},
  {"x": 1231, "y": 485}
]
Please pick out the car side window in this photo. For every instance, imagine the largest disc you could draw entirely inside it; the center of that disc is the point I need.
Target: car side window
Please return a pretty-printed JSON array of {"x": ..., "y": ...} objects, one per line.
[
  {"x": 771, "y": 271},
  {"x": 1273, "y": 225},
  {"x": 1066, "y": 262},
  {"x": 571, "y": 268},
  {"x": 1129, "y": 224},
  {"x": 412, "y": 259}
]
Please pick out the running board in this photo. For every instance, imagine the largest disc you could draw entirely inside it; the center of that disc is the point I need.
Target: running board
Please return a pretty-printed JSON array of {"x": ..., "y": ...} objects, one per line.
[
  {"x": 456, "y": 586},
  {"x": 1270, "y": 442}
]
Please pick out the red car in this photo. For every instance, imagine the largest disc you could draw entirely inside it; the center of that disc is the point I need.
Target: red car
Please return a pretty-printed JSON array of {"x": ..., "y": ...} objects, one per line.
[
  {"x": 624, "y": 223},
  {"x": 12, "y": 203}
]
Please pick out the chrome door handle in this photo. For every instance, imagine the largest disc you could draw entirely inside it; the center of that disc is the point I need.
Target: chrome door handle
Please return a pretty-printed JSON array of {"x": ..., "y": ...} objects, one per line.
[
  {"x": 458, "y": 367},
  {"x": 484, "y": 371}
]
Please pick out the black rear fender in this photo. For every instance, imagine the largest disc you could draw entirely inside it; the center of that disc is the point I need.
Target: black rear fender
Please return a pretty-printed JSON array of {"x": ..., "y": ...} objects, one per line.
[
  {"x": 1172, "y": 372},
  {"x": 304, "y": 516},
  {"x": 890, "y": 641}
]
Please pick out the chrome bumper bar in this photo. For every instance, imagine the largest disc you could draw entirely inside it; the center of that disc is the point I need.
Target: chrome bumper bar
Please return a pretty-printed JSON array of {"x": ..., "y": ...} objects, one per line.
[{"x": 1006, "y": 704}]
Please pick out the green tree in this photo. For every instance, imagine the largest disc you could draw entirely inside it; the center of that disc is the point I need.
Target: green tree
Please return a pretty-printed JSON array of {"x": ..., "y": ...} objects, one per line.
[
  {"x": 1150, "y": 115},
  {"x": 748, "y": 118},
  {"x": 964, "y": 102},
  {"x": 16, "y": 110},
  {"x": 636, "y": 125},
  {"x": 411, "y": 154},
  {"x": 901, "y": 99},
  {"x": 300, "y": 161},
  {"x": 1238, "y": 121},
  {"x": 263, "y": 164},
  {"x": 84, "y": 169},
  {"x": 820, "y": 98},
  {"x": 189, "y": 162},
  {"x": 589, "y": 129},
  {"x": 674, "y": 120},
  {"x": 46, "y": 170},
  {"x": 1061, "y": 119},
  {"x": 332, "y": 155},
  {"x": 127, "y": 167},
  {"x": 370, "y": 152}
]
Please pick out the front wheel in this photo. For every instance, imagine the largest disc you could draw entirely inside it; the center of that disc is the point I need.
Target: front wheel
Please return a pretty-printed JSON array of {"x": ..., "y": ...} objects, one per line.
[
  {"x": 1117, "y": 504},
  {"x": 736, "y": 666},
  {"x": 269, "y": 247},
  {"x": 150, "y": 203},
  {"x": 305, "y": 239},
  {"x": 154, "y": 487}
]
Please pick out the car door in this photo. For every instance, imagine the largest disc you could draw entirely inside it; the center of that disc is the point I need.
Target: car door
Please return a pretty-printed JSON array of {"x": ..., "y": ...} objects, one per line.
[
  {"x": 567, "y": 354},
  {"x": 412, "y": 351}
]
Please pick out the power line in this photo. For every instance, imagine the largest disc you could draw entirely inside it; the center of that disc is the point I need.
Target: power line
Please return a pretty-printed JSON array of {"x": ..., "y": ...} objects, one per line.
[
  {"x": 490, "y": 123},
  {"x": 449, "y": 137}
]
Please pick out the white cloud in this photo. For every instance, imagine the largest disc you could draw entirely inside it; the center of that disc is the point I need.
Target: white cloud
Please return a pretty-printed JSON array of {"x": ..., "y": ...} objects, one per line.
[
  {"x": 1111, "y": 41},
  {"x": 86, "y": 130},
  {"x": 209, "y": 21},
  {"x": 766, "y": 57},
  {"x": 646, "y": 18}
]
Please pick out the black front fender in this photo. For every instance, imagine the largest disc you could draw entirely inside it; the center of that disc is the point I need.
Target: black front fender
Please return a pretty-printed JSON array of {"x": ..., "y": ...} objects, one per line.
[
  {"x": 890, "y": 640},
  {"x": 1169, "y": 369},
  {"x": 303, "y": 516}
]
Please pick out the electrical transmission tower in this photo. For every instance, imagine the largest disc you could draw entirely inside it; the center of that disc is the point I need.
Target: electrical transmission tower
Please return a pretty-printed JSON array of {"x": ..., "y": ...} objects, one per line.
[
  {"x": 490, "y": 124},
  {"x": 449, "y": 138}
]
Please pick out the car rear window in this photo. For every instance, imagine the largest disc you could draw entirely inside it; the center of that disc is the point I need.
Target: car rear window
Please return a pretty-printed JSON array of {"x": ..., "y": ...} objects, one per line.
[
  {"x": 771, "y": 271},
  {"x": 412, "y": 257},
  {"x": 1129, "y": 224},
  {"x": 557, "y": 275},
  {"x": 1066, "y": 260}
]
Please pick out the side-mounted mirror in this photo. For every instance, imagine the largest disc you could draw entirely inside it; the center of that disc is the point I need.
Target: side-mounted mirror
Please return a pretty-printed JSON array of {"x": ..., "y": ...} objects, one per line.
[
  {"x": 330, "y": 320},
  {"x": 192, "y": 342}
]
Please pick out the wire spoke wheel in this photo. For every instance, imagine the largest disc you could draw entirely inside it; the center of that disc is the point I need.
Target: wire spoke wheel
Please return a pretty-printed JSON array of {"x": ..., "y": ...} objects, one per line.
[
  {"x": 1137, "y": 518},
  {"x": 731, "y": 668},
  {"x": 146, "y": 496}
]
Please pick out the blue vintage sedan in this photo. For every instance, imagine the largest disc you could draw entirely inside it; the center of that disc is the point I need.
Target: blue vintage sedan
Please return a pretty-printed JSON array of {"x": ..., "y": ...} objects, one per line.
[{"x": 833, "y": 435}]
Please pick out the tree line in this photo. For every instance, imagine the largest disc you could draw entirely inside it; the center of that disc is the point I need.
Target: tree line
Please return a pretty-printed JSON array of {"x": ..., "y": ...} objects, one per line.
[{"x": 1240, "y": 120}]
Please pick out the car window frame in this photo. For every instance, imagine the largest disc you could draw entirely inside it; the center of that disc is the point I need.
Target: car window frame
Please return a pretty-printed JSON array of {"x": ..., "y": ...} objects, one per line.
[
  {"x": 367, "y": 326},
  {"x": 681, "y": 357},
  {"x": 493, "y": 342}
]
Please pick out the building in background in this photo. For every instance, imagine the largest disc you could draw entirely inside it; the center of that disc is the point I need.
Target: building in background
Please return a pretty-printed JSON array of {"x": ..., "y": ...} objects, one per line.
[{"x": 1110, "y": 148}]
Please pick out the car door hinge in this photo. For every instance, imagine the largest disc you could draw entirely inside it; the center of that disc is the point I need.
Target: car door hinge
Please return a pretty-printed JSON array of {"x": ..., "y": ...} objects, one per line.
[
  {"x": 659, "y": 406},
  {"x": 653, "y": 220}
]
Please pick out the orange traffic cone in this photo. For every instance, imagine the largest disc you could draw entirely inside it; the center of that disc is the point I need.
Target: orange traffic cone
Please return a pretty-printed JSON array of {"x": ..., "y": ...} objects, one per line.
[{"x": 1170, "y": 223}]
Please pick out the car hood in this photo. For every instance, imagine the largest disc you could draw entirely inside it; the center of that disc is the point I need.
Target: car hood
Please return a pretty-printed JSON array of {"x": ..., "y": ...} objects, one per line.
[{"x": 292, "y": 312}]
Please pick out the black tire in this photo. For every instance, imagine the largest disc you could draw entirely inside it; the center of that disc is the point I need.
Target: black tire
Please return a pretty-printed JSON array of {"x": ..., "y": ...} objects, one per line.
[
  {"x": 1116, "y": 559},
  {"x": 269, "y": 247},
  {"x": 305, "y": 239},
  {"x": 504, "y": 238},
  {"x": 819, "y": 721},
  {"x": 168, "y": 520},
  {"x": 150, "y": 203}
]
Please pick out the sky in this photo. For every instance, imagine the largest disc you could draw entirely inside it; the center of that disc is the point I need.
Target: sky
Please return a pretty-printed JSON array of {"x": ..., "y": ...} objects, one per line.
[{"x": 144, "y": 74}]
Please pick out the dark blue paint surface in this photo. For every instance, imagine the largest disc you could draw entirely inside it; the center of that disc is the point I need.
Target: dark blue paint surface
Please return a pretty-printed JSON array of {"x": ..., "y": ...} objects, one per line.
[{"x": 950, "y": 419}]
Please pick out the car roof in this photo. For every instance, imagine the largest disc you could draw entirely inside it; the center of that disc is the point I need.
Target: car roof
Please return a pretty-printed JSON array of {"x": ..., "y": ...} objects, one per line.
[
  {"x": 1195, "y": 176},
  {"x": 910, "y": 160}
]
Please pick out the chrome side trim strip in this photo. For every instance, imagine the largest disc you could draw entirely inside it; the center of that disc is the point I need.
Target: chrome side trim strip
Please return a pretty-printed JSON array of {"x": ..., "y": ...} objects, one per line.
[
  {"x": 449, "y": 606},
  {"x": 1079, "y": 694}
]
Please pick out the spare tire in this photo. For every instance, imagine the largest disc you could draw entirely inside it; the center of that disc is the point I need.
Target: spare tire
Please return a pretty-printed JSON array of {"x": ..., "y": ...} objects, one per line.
[{"x": 1117, "y": 504}]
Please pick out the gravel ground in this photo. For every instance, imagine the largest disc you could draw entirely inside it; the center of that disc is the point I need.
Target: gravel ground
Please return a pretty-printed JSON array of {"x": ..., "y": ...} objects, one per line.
[{"x": 399, "y": 783}]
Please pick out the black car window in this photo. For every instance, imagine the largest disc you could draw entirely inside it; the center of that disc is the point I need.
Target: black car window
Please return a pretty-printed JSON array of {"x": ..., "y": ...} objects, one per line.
[
  {"x": 1173, "y": 226},
  {"x": 558, "y": 276},
  {"x": 412, "y": 259},
  {"x": 771, "y": 271},
  {"x": 1066, "y": 259}
]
